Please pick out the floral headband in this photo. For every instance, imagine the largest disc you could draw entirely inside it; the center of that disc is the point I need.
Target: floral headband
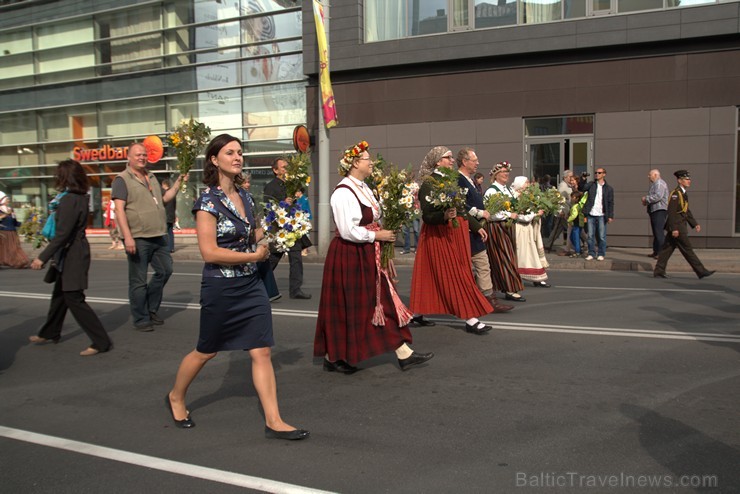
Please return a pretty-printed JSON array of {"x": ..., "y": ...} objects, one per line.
[
  {"x": 503, "y": 166},
  {"x": 345, "y": 164}
]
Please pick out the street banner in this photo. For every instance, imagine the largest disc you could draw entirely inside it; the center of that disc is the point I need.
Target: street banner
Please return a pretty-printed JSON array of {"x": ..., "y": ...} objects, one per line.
[{"x": 327, "y": 95}]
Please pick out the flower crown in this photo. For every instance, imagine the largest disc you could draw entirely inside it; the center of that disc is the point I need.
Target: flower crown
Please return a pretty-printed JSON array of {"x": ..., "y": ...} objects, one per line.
[
  {"x": 345, "y": 164},
  {"x": 500, "y": 167}
]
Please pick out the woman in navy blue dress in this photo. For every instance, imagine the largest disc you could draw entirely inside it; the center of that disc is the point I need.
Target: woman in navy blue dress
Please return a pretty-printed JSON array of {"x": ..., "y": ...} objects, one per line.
[{"x": 235, "y": 311}]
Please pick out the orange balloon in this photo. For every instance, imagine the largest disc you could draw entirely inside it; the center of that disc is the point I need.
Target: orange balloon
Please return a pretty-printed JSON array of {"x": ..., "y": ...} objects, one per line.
[{"x": 154, "y": 148}]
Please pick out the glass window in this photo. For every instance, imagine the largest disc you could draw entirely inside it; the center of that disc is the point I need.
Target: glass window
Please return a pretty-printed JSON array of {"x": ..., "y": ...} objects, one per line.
[
  {"x": 17, "y": 128},
  {"x": 494, "y": 14},
  {"x": 15, "y": 66},
  {"x": 460, "y": 15},
  {"x": 583, "y": 124},
  {"x": 636, "y": 5},
  {"x": 221, "y": 111},
  {"x": 537, "y": 11},
  {"x": 267, "y": 108},
  {"x": 573, "y": 9},
  {"x": 134, "y": 118},
  {"x": 385, "y": 19},
  {"x": 15, "y": 42},
  {"x": 428, "y": 17},
  {"x": 65, "y": 34},
  {"x": 123, "y": 52},
  {"x": 75, "y": 123},
  {"x": 686, "y": 3}
]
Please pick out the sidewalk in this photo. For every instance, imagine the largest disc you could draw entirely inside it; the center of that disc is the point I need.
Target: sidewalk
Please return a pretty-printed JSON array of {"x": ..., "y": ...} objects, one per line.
[{"x": 617, "y": 258}]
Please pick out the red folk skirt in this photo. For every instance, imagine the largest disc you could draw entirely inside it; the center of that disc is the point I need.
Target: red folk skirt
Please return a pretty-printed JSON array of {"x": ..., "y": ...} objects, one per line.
[
  {"x": 344, "y": 329},
  {"x": 442, "y": 281}
]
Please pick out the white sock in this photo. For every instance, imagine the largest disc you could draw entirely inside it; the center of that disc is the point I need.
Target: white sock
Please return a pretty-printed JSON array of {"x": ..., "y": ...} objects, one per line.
[
  {"x": 472, "y": 321},
  {"x": 404, "y": 351}
]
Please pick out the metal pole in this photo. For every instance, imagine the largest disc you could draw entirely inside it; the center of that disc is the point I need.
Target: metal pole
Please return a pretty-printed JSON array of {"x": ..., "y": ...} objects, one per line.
[{"x": 324, "y": 211}]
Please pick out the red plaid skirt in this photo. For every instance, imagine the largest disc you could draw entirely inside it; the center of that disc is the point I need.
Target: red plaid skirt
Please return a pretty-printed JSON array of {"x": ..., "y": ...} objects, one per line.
[
  {"x": 442, "y": 282},
  {"x": 344, "y": 328}
]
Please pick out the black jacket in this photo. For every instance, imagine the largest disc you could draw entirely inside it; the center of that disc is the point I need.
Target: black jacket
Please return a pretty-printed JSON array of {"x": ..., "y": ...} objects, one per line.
[
  {"x": 607, "y": 197},
  {"x": 70, "y": 242}
]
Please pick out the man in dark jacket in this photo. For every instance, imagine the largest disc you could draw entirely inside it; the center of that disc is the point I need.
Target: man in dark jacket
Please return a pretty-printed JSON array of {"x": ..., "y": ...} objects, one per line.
[
  {"x": 275, "y": 190},
  {"x": 679, "y": 215},
  {"x": 599, "y": 211}
]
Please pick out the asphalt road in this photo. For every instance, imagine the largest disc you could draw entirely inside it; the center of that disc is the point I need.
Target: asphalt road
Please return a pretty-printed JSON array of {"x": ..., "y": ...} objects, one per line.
[{"x": 607, "y": 382}]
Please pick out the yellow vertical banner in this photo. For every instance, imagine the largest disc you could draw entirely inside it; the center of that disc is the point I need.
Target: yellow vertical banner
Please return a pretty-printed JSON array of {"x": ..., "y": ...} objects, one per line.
[{"x": 327, "y": 94}]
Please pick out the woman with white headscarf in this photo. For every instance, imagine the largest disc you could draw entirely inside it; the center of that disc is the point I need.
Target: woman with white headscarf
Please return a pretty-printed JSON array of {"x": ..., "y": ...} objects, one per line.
[
  {"x": 442, "y": 281},
  {"x": 530, "y": 250}
]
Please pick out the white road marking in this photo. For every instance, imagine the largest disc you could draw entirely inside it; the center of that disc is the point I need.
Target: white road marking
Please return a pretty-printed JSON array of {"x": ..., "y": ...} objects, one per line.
[
  {"x": 542, "y": 328},
  {"x": 176, "y": 467}
]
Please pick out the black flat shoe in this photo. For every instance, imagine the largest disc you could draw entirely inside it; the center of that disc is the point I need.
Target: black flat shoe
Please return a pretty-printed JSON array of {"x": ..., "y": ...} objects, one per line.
[
  {"x": 416, "y": 358},
  {"x": 422, "y": 322},
  {"x": 301, "y": 295},
  {"x": 185, "y": 423},
  {"x": 294, "y": 435},
  {"x": 541, "y": 284},
  {"x": 515, "y": 297},
  {"x": 661, "y": 275},
  {"x": 478, "y": 328},
  {"x": 706, "y": 273},
  {"x": 339, "y": 366}
]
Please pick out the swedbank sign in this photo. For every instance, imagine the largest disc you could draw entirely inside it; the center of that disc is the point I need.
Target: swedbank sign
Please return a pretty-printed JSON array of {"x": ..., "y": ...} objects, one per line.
[
  {"x": 153, "y": 145},
  {"x": 106, "y": 153}
]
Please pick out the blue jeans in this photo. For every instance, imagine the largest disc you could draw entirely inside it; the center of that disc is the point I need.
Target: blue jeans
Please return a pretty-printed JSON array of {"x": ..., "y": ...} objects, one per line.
[
  {"x": 596, "y": 223},
  {"x": 415, "y": 226},
  {"x": 575, "y": 238},
  {"x": 147, "y": 297}
]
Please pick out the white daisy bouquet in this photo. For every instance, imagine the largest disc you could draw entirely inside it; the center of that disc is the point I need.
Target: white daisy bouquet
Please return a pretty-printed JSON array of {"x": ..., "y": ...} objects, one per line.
[
  {"x": 397, "y": 193},
  {"x": 446, "y": 193},
  {"x": 284, "y": 224}
]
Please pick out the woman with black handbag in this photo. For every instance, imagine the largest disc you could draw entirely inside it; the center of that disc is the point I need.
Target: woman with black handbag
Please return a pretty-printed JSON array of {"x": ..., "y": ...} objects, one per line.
[{"x": 70, "y": 255}]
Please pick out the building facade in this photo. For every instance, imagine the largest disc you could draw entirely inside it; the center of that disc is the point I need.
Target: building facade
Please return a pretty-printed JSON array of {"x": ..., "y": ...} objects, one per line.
[
  {"x": 628, "y": 85},
  {"x": 85, "y": 78}
]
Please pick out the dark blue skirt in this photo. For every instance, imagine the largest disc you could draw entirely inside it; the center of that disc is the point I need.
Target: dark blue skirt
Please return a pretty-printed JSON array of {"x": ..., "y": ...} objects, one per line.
[{"x": 235, "y": 314}]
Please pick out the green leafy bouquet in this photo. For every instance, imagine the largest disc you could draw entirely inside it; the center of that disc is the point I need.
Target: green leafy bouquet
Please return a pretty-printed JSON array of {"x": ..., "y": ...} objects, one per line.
[
  {"x": 189, "y": 138},
  {"x": 397, "y": 193},
  {"x": 297, "y": 173},
  {"x": 31, "y": 228},
  {"x": 446, "y": 193}
]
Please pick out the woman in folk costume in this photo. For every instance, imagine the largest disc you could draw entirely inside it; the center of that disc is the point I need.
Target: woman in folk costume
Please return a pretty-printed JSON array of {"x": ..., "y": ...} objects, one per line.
[
  {"x": 442, "y": 280},
  {"x": 530, "y": 250},
  {"x": 360, "y": 313},
  {"x": 501, "y": 251}
]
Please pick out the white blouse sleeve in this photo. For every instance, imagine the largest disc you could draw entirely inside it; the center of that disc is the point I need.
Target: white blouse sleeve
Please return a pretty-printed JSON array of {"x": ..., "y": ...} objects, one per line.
[{"x": 347, "y": 216}]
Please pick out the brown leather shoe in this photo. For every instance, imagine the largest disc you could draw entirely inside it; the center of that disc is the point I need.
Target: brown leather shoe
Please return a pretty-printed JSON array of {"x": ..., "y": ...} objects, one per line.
[{"x": 497, "y": 307}]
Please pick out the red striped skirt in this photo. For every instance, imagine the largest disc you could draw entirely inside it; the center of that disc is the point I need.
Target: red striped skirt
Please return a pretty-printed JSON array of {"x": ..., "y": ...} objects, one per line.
[
  {"x": 502, "y": 256},
  {"x": 344, "y": 329},
  {"x": 442, "y": 281}
]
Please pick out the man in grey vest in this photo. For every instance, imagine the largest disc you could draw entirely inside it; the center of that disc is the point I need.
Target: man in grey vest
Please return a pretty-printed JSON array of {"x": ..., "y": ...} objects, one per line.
[{"x": 140, "y": 213}]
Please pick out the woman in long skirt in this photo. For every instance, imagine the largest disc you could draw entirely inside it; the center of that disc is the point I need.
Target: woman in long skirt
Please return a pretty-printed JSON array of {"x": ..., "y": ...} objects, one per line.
[
  {"x": 360, "y": 313},
  {"x": 530, "y": 250}
]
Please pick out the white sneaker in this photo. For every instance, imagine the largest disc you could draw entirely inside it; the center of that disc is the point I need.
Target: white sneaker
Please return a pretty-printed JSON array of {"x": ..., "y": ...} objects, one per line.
[
  {"x": 590, "y": 258},
  {"x": 600, "y": 258}
]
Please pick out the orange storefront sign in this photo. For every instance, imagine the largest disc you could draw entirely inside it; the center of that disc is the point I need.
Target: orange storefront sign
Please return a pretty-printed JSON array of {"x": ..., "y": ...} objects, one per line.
[{"x": 153, "y": 145}]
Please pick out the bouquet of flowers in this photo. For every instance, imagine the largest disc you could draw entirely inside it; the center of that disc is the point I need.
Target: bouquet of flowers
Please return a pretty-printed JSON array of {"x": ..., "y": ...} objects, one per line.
[
  {"x": 284, "y": 224},
  {"x": 397, "y": 192},
  {"x": 446, "y": 193},
  {"x": 189, "y": 138},
  {"x": 379, "y": 166},
  {"x": 31, "y": 228},
  {"x": 495, "y": 203},
  {"x": 297, "y": 173},
  {"x": 551, "y": 201}
]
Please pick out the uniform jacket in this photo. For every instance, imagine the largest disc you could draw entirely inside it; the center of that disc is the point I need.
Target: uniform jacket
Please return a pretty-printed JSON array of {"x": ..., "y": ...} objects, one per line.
[
  {"x": 70, "y": 243},
  {"x": 677, "y": 218}
]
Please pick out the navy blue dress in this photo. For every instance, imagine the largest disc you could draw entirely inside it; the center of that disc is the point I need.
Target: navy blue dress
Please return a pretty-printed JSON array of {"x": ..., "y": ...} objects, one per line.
[{"x": 235, "y": 311}]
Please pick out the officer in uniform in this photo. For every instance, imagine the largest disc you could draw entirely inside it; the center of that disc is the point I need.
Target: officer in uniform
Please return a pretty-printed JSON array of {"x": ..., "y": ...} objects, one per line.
[{"x": 679, "y": 215}]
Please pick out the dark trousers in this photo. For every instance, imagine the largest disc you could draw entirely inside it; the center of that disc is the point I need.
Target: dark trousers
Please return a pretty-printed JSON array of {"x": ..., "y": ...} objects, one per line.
[
  {"x": 171, "y": 236},
  {"x": 83, "y": 314},
  {"x": 295, "y": 280},
  {"x": 147, "y": 297},
  {"x": 682, "y": 243},
  {"x": 657, "y": 223}
]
